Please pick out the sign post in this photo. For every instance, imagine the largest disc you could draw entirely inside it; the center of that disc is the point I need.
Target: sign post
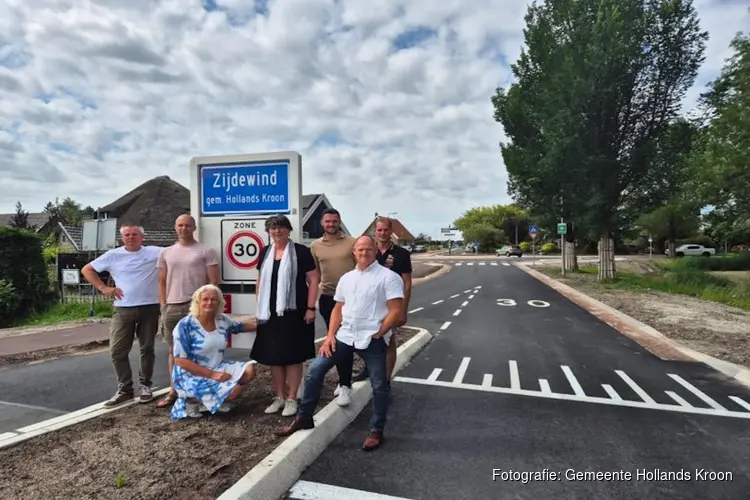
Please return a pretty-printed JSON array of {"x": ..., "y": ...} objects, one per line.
[
  {"x": 533, "y": 232},
  {"x": 650, "y": 246},
  {"x": 449, "y": 231},
  {"x": 562, "y": 229},
  {"x": 231, "y": 196}
]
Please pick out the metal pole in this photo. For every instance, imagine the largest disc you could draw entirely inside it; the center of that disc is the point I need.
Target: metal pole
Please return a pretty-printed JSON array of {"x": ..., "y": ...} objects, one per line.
[{"x": 562, "y": 249}]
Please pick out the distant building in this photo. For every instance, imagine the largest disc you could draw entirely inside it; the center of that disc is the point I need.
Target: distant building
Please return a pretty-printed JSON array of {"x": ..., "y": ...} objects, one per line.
[
  {"x": 401, "y": 236},
  {"x": 42, "y": 222},
  {"x": 313, "y": 206}
]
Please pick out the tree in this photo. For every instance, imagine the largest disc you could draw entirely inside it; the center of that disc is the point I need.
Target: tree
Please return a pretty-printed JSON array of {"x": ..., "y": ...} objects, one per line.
[
  {"x": 723, "y": 162},
  {"x": 20, "y": 219},
  {"x": 490, "y": 225},
  {"x": 672, "y": 222},
  {"x": 69, "y": 210},
  {"x": 597, "y": 84}
]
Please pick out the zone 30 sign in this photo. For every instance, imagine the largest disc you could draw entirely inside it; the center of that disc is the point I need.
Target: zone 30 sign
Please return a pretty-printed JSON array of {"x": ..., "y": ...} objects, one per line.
[{"x": 241, "y": 241}]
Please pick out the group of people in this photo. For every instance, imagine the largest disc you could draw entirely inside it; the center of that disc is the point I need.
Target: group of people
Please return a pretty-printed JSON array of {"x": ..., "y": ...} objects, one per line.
[{"x": 362, "y": 287}]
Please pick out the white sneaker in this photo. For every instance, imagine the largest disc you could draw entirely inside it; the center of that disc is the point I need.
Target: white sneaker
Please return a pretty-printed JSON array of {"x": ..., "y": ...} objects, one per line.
[
  {"x": 337, "y": 390},
  {"x": 345, "y": 396},
  {"x": 275, "y": 406},
  {"x": 290, "y": 408}
]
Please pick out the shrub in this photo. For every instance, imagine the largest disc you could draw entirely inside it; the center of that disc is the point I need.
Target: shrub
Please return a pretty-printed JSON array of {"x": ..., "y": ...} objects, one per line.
[
  {"x": 736, "y": 262},
  {"x": 8, "y": 303},
  {"x": 549, "y": 248},
  {"x": 23, "y": 266},
  {"x": 525, "y": 246}
]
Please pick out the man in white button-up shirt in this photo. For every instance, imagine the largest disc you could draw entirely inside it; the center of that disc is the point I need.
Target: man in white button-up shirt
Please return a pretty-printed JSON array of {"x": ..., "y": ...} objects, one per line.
[{"x": 369, "y": 304}]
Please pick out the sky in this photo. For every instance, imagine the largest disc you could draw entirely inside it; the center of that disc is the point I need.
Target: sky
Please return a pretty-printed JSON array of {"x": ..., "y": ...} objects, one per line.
[{"x": 389, "y": 106}]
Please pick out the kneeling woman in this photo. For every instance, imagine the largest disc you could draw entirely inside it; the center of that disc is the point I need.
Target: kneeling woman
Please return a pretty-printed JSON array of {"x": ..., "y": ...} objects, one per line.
[{"x": 204, "y": 381}]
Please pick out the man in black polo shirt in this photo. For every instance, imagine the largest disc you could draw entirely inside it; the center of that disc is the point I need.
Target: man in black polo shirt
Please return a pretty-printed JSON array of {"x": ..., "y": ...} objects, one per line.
[{"x": 398, "y": 260}]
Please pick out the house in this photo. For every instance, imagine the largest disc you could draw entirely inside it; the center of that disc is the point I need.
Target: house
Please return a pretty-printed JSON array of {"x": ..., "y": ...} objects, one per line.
[
  {"x": 42, "y": 222},
  {"x": 313, "y": 206},
  {"x": 401, "y": 236},
  {"x": 156, "y": 204}
]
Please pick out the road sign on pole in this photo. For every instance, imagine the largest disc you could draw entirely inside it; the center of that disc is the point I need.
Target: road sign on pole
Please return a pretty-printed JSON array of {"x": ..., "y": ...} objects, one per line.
[
  {"x": 533, "y": 231},
  {"x": 562, "y": 228}
]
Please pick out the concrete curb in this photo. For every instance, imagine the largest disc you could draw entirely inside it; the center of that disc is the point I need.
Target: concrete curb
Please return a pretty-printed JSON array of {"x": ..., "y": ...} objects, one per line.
[
  {"x": 444, "y": 269},
  {"x": 272, "y": 478},
  {"x": 72, "y": 418},
  {"x": 646, "y": 336}
]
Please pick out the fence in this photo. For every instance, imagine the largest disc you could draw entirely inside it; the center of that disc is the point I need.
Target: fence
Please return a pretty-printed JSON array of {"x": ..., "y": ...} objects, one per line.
[{"x": 82, "y": 292}]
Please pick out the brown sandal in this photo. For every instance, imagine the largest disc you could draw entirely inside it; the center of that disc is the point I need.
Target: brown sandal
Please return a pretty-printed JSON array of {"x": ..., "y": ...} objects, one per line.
[{"x": 167, "y": 400}]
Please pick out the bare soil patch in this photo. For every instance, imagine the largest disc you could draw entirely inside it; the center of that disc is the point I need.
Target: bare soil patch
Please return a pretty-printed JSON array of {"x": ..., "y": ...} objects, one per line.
[
  {"x": 709, "y": 327},
  {"x": 52, "y": 353},
  {"x": 157, "y": 457}
]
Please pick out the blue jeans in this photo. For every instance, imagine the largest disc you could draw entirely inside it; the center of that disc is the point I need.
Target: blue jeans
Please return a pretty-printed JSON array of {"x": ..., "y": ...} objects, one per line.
[
  {"x": 374, "y": 357},
  {"x": 343, "y": 365}
]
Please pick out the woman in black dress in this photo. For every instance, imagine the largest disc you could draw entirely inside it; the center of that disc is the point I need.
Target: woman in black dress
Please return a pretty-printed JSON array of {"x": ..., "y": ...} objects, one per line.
[{"x": 287, "y": 290}]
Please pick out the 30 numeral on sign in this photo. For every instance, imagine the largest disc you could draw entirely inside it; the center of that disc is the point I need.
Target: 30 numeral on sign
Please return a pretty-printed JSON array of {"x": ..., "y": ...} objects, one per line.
[
  {"x": 532, "y": 303},
  {"x": 247, "y": 250}
]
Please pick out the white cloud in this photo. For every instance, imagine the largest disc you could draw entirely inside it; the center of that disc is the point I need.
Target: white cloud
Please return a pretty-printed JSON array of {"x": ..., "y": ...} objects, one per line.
[{"x": 97, "y": 97}]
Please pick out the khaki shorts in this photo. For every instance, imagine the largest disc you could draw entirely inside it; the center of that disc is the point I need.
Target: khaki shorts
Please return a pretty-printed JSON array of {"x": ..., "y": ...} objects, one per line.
[{"x": 171, "y": 314}]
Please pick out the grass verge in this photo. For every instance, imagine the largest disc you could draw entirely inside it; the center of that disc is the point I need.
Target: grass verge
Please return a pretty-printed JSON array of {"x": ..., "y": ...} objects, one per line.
[
  {"x": 673, "y": 278},
  {"x": 60, "y": 313}
]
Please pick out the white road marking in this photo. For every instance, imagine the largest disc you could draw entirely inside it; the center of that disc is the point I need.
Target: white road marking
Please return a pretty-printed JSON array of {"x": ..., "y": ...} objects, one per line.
[
  {"x": 469, "y": 263},
  {"x": 493, "y": 263},
  {"x": 416, "y": 310},
  {"x": 454, "y": 296},
  {"x": 506, "y": 264},
  {"x": 465, "y": 303},
  {"x": 457, "y": 312},
  {"x": 445, "y": 325},
  {"x": 307, "y": 490},
  {"x": 467, "y": 291},
  {"x": 687, "y": 385},
  {"x": 482, "y": 264},
  {"x": 582, "y": 399},
  {"x": 7, "y": 435},
  {"x": 33, "y": 407},
  {"x": 636, "y": 388},
  {"x": 471, "y": 296},
  {"x": 544, "y": 386},
  {"x": 436, "y": 302},
  {"x": 611, "y": 392},
  {"x": 678, "y": 398},
  {"x": 573, "y": 381},
  {"x": 740, "y": 402},
  {"x": 435, "y": 374},
  {"x": 487, "y": 380},
  {"x": 461, "y": 371},
  {"x": 459, "y": 263},
  {"x": 478, "y": 286},
  {"x": 515, "y": 381}
]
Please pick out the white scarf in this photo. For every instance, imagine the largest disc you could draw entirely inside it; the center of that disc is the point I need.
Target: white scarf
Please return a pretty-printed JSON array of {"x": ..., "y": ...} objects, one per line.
[{"x": 286, "y": 289}]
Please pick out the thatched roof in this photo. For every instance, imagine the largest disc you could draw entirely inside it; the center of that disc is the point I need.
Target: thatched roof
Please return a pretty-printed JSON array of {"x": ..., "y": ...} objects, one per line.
[
  {"x": 399, "y": 230},
  {"x": 155, "y": 204}
]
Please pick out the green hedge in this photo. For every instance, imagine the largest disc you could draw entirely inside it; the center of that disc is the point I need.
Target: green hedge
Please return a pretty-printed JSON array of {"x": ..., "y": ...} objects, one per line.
[
  {"x": 25, "y": 286},
  {"x": 731, "y": 262}
]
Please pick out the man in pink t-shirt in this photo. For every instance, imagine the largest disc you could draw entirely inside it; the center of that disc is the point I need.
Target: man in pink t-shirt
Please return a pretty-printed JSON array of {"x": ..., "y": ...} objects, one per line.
[{"x": 183, "y": 268}]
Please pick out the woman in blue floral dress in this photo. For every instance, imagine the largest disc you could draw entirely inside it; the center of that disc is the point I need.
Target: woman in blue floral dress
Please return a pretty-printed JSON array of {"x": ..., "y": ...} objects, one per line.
[{"x": 203, "y": 379}]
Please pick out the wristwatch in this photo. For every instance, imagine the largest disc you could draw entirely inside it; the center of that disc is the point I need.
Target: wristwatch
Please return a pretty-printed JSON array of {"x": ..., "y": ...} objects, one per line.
[{"x": 312, "y": 308}]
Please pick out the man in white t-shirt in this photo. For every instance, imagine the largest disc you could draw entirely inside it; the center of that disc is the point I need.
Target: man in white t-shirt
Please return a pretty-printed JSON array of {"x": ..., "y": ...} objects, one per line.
[
  {"x": 183, "y": 268},
  {"x": 136, "y": 309},
  {"x": 369, "y": 304}
]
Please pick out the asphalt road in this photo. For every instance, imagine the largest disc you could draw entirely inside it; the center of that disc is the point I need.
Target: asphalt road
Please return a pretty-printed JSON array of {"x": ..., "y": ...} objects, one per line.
[
  {"x": 31, "y": 393},
  {"x": 531, "y": 383}
]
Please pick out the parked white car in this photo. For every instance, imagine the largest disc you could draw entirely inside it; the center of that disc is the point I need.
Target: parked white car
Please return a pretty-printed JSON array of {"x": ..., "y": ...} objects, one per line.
[{"x": 691, "y": 250}]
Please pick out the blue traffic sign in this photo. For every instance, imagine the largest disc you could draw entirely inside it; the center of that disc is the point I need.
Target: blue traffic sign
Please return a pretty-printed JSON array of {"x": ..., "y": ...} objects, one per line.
[
  {"x": 533, "y": 229},
  {"x": 250, "y": 188},
  {"x": 476, "y": 244}
]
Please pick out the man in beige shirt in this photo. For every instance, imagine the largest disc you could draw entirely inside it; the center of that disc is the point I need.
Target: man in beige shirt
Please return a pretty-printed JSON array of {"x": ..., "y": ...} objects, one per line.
[
  {"x": 334, "y": 257},
  {"x": 183, "y": 268}
]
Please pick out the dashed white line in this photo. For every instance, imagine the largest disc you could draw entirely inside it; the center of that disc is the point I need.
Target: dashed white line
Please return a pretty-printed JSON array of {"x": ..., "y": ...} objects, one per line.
[
  {"x": 435, "y": 374},
  {"x": 454, "y": 296},
  {"x": 493, "y": 263},
  {"x": 515, "y": 382},
  {"x": 611, "y": 392},
  {"x": 636, "y": 388},
  {"x": 469, "y": 263},
  {"x": 465, "y": 303},
  {"x": 461, "y": 371},
  {"x": 471, "y": 296},
  {"x": 478, "y": 286},
  {"x": 506, "y": 264},
  {"x": 457, "y": 312},
  {"x": 687, "y": 385},
  {"x": 445, "y": 325},
  {"x": 573, "y": 381},
  {"x": 416, "y": 310},
  {"x": 481, "y": 263},
  {"x": 437, "y": 302},
  {"x": 459, "y": 263},
  {"x": 544, "y": 386},
  {"x": 467, "y": 291}
]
